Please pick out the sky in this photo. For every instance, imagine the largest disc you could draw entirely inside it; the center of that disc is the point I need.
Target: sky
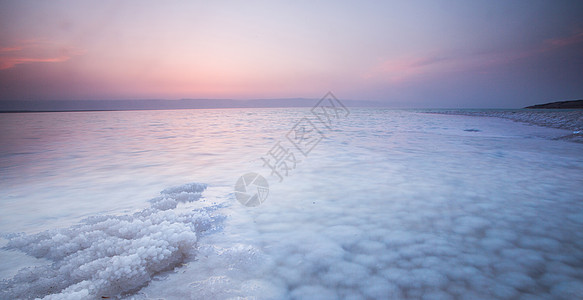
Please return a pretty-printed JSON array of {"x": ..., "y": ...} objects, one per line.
[{"x": 472, "y": 54}]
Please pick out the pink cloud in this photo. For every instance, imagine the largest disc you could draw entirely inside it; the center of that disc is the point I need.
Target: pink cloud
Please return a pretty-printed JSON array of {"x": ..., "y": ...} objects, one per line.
[
  {"x": 9, "y": 49},
  {"x": 9, "y": 62},
  {"x": 403, "y": 68},
  {"x": 560, "y": 42},
  {"x": 396, "y": 70},
  {"x": 35, "y": 51}
]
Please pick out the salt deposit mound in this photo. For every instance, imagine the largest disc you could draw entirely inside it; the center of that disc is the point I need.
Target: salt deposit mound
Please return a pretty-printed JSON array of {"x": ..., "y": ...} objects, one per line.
[{"x": 108, "y": 256}]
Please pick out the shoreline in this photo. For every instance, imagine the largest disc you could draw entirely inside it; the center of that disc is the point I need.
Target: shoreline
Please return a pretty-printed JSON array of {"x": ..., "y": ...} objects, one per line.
[{"x": 571, "y": 120}]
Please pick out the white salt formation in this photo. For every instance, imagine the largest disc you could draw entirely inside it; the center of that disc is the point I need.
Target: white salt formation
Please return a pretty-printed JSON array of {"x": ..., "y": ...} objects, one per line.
[{"x": 110, "y": 255}]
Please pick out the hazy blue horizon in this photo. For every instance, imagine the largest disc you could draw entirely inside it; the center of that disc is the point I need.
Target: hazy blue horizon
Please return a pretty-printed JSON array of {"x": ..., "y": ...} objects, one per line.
[{"x": 165, "y": 104}]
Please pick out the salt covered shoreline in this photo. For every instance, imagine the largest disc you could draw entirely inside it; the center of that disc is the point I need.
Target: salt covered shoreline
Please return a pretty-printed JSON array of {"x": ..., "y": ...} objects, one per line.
[
  {"x": 571, "y": 119},
  {"x": 560, "y": 119}
]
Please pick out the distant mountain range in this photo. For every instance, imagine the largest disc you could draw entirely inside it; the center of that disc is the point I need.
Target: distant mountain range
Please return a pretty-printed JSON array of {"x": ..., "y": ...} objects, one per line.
[
  {"x": 157, "y": 104},
  {"x": 160, "y": 104},
  {"x": 572, "y": 104}
]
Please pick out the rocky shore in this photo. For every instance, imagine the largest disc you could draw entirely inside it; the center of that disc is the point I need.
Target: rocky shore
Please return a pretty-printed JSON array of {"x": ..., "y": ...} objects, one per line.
[{"x": 572, "y": 104}]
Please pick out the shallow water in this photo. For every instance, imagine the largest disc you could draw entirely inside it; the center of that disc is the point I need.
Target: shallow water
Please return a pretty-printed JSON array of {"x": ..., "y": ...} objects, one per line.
[{"x": 390, "y": 203}]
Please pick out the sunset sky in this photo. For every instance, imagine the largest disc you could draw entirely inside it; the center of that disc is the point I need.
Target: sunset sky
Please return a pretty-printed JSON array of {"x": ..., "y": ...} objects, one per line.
[{"x": 406, "y": 54}]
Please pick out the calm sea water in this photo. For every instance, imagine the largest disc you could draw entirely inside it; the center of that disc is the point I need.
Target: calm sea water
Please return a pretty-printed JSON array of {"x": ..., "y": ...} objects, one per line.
[{"x": 390, "y": 203}]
